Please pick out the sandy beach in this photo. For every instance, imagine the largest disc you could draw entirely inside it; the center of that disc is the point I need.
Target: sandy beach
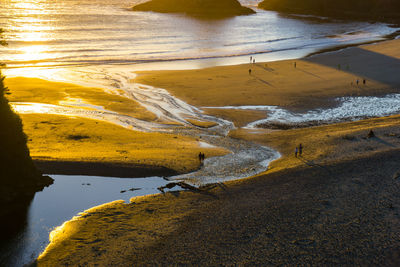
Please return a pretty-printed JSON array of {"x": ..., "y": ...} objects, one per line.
[
  {"x": 337, "y": 204},
  {"x": 102, "y": 146},
  {"x": 313, "y": 83}
]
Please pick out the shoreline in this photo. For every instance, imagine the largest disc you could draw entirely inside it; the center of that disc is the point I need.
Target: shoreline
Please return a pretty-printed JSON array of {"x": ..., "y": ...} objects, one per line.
[
  {"x": 337, "y": 48},
  {"x": 107, "y": 169},
  {"x": 181, "y": 64},
  {"x": 324, "y": 77}
]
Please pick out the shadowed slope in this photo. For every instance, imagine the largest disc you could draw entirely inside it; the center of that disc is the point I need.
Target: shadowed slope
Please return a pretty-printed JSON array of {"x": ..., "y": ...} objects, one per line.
[
  {"x": 19, "y": 179},
  {"x": 198, "y": 8},
  {"x": 386, "y": 10},
  {"x": 366, "y": 62}
]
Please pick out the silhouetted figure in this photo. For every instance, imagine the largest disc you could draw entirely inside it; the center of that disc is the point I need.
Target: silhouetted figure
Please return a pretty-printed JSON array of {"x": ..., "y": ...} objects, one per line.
[
  {"x": 295, "y": 64},
  {"x": 200, "y": 156},
  {"x": 254, "y": 61},
  {"x": 203, "y": 156},
  {"x": 300, "y": 149},
  {"x": 371, "y": 134},
  {"x": 251, "y": 59},
  {"x": 357, "y": 82},
  {"x": 296, "y": 151},
  {"x": 364, "y": 81},
  {"x": 249, "y": 71}
]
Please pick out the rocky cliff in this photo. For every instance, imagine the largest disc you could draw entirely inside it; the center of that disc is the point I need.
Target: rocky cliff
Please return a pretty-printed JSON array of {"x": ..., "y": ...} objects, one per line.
[
  {"x": 381, "y": 10},
  {"x": 198, "y": 8}
]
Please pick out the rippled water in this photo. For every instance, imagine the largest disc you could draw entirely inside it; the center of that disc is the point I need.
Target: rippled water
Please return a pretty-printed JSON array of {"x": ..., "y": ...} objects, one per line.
[{"x": 76, "y": 32}]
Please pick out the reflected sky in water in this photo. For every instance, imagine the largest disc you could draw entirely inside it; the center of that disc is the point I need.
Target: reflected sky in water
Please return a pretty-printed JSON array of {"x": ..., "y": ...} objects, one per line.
[{"x": 68, "y": 196}]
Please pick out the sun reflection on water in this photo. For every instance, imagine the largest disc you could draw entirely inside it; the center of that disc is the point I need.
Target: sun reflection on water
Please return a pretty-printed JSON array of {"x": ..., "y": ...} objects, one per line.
[
  {"x": 29, "y": 30},
  {"x": 31, "y": 7},
  {"x": 32, "y": 53}
]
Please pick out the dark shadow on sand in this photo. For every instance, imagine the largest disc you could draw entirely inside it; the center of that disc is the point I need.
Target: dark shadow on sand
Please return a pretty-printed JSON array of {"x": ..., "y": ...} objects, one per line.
[
  {"x": 311, "y": 163},
  {"x": 367, "y": 64},
  {"x": 265, "y": 67},
  {"x": 309, "y": 73},
  {"x": 382, "y": 141},
  {"x": 263, "y": 81}
]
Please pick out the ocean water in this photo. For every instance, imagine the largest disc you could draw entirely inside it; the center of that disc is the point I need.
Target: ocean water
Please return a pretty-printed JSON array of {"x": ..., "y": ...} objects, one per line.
[{"x": 102, "y": 32}]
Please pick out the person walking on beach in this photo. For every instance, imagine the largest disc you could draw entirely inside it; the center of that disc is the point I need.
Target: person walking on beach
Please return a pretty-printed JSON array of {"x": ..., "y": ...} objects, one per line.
[
  {"x": 296, "y": 151},
  {"x": 200, "y": 156},
  {"x": 357, "y": 81},
  {"x": 364, "y": 81},
  {"x": 203, "y": 157},
  {"x": 251, "y": 59},
  {"x": 300, "y": 149},
  {"x": 295, "y": 65},
  {"x": 249, "y": 71}
]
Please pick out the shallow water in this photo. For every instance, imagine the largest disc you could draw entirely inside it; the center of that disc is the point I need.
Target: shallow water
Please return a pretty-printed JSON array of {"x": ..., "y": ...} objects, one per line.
[
  {"x": 68, "y": 196},
  {"x": 348, "y": 109},
  {"x": 247, "y": 159}
]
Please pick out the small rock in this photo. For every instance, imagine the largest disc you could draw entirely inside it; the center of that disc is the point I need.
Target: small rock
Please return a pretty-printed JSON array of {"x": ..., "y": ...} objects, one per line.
[{"x": 134, "y": 189}]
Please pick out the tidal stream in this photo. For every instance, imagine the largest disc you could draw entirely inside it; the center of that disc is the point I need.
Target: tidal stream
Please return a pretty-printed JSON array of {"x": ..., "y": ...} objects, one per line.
[{"x": 60, "y": 202}]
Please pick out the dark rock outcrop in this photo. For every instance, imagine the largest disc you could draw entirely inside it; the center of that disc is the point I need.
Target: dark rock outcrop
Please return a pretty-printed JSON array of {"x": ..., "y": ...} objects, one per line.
[
  {"x": 19, "y": 178},
  {"x": 197, "y": 8},
  {"x": 381, "y": 10}
]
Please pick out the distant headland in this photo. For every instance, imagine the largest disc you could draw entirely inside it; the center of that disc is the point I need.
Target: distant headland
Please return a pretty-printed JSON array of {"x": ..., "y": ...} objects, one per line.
[
  {"x": 380, "y": 10},
  {"x": 197, "y": 8}
]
